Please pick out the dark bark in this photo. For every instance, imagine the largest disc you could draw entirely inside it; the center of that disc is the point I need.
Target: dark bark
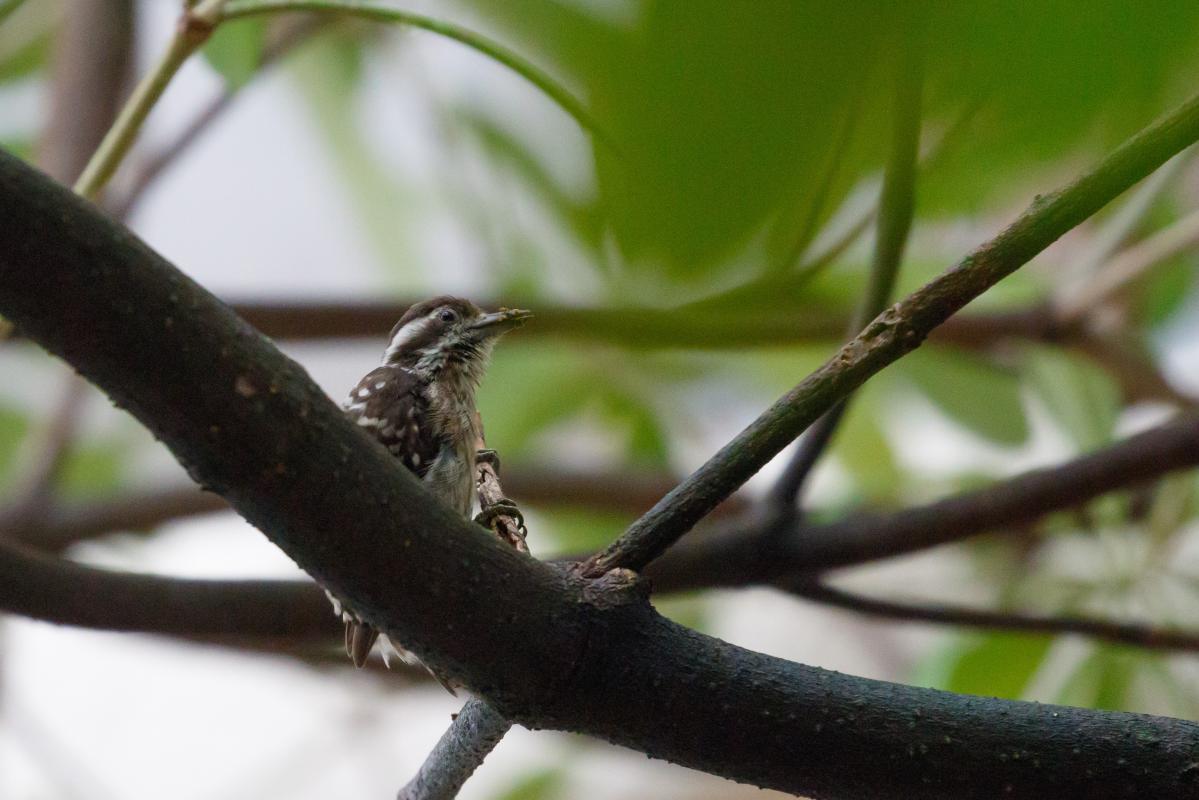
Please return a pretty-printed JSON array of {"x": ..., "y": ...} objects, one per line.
[{"x": 545, "y": 649}]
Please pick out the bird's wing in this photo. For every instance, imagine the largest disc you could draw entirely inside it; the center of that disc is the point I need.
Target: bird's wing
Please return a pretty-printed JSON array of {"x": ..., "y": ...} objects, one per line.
[{"x": 388, "y": 403}]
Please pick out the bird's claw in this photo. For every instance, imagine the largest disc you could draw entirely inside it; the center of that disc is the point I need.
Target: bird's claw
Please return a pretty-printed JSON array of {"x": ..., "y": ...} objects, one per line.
[
  {"x": 488, "y": 456},
  {"x": 501, "y": 508}
]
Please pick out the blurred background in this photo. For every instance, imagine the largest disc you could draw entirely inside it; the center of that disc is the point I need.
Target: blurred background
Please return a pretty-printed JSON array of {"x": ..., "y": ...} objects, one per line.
[{"x": 692, "y": 250}]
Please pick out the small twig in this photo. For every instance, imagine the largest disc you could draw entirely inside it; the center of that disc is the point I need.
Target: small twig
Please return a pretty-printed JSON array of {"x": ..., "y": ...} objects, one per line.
[
  {"x": 1137, "y": 634},
  {"x": 897, "y": 203},
  {"x": 471, "y": 737},
  {"x": 148, "y": 171},
  {"x": 477, "y": 728},
  {"x": 193, "y": 29}
]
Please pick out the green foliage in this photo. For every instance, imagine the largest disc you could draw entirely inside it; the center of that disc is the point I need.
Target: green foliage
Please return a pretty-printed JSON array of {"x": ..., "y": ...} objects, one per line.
[
  {"x": 993, "y": 665},
  {"x": 94, "y": 470},
  {"x": 546, "y": 784},
  {"x": 1083, "y": 399},
  {"x": 1104, "y": 679},
  {"x": 26, "y": 59},
  {"x": 14, "y": 426},
  {"x": 235, "y": 50},
  {"x": 1166, "y": 289},
  {"x": 720, "y": 147},
  {"x": 973, "y": 392}
]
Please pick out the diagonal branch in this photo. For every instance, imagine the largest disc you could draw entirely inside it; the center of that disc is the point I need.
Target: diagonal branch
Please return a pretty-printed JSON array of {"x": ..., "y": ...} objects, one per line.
[
  {"x": 736, "y": 557},
  {"x": 891, "y": 335},
  {"x": 545, "y": 649}
]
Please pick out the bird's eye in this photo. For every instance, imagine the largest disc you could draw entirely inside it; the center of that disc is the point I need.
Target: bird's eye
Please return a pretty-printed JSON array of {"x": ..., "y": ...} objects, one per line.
[{"x": 447, "y": 315}]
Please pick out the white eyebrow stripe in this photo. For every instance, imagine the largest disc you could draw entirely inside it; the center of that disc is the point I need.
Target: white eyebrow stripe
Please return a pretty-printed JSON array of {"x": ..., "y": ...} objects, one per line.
[{"x": 406, "y": 334}]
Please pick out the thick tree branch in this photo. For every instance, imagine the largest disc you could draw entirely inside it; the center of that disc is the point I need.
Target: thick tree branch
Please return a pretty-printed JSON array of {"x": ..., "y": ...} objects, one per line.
[
  {"x": 1130, "y": 633},
  {"x": 736, "y": 554},
  {"x": 544, "y": 649},
  {"x": 891, "y": 335}
]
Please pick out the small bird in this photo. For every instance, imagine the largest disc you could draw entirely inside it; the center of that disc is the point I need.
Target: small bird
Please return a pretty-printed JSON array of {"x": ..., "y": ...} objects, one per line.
[{"x": 420, "y": 404}]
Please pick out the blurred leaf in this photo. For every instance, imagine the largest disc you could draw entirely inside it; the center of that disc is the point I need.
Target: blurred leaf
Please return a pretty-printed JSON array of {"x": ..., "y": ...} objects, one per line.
[
  {"x": 690, "y": 610},
  {"x": 972, "y": 392},
  {"x": 1103, "y": 680},
  {"x": 1162, "y": 293},
  {"x": 27, "y": 58},
  {"x": 725, "y": 150},
  {"x": 625, "y": 411},
  {"x": 328, "y": 72},
  {"x": 21, "y": 148},
  {"x": 991, "y": 665},
  {"x": 94, "y": 470},
  {"x": 529, "y": 387},
  {"x": 581, "y": 217},
  {"x": 1081, "y": 397},
  {"x": 583, "y": 530},
  {"x": 14, "y": 426},
  {"x": 235, "y": 50},
  {"x": 544, "y": 784},
  {"x": 863, "y": 448}
]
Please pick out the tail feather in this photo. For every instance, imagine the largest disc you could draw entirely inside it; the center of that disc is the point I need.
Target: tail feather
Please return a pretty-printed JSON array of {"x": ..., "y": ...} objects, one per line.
[{"x": 360, "y": 638}]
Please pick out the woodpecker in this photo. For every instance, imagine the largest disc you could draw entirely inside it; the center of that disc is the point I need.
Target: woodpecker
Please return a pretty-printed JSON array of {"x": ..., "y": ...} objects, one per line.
[{"x": 419, "y": 403}]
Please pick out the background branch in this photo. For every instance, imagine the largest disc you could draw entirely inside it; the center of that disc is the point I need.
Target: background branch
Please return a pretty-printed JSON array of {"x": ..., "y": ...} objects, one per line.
[{"x": 1149, "y": 637}]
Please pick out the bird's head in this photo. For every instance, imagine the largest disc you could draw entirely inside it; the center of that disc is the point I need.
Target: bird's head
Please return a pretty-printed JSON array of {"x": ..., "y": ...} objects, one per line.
[{"x": 449, "y": 333}]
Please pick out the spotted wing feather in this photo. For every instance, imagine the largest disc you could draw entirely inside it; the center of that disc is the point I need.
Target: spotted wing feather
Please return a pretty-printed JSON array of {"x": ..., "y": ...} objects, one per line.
[{"x": 390, "y": 404}]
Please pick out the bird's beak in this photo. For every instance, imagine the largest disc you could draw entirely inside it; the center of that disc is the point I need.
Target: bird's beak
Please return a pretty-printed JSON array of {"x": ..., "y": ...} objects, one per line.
[{"x": 500, "y": 321}]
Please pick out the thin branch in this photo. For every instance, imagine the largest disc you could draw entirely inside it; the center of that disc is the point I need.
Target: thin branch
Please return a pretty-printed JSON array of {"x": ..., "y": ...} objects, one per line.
[
  {"x": 736, "y": 556},
  {"x": 488, "y": 47},
  {"x": 148, "y": 172},
  {"x": 475, "y": 732},
  {"x": 897, "y": 204},
  {"x": 193, "y": 29},
  {"x": 543, "y": 647},
  {"x": 893, "y": 334},
  {"x": 1135, "y": 634}
]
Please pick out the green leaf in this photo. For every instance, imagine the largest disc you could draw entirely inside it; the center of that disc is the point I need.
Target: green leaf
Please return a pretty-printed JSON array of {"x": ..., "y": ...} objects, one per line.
[
  {"x": 1162, "y": 293},
  {"x": 235, "y": 50},
  {"x": 92, "y": 471},
  {"x": 991, "y": 665},
  {"x": 26, "y": 59},
  {"x": 14, "y": 426},
  {"x": 864, "y": 450},
  {"x": 543, "y": 784},
  {"x": 582, "y": 530},
  {"x": 1103, "y": 680},
  {"x": 972, "y": 392},
  {"x": 1081, "y": 397}
]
